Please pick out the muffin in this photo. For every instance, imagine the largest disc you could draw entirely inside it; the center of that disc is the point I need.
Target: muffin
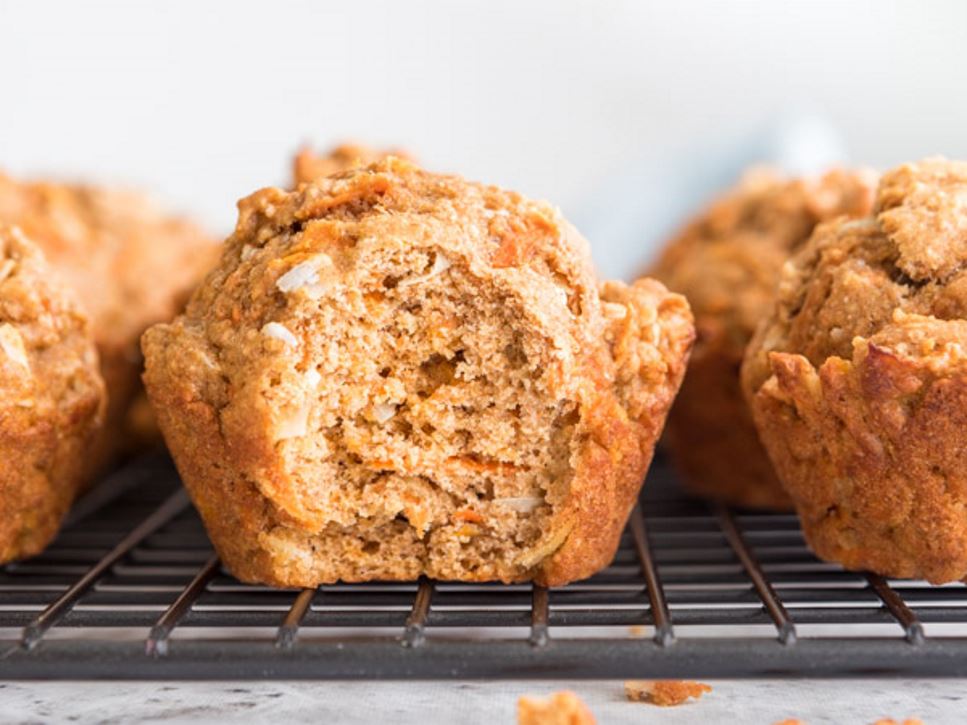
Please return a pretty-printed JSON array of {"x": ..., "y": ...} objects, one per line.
[
  {"x": 308, "y": 165},
  {"x": 129, "y": 265},
  {"x": 52, "y": 397},
  {"x": 727, "y": 263},
  {"x": 394, "y": 373},
  {"x": 858, "y": 380}
]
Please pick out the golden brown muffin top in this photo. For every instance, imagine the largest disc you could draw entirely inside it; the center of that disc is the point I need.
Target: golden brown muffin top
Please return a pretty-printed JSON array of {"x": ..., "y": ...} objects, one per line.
[
  {"x": 287, "y": 247},
  {"x": 48, "y": 364},
  {"x": 727, "y": 261},
  {"x": 898, "y": 277},
  {"x": 129, "y": 264},
  {"x": 308, "y": 165}
]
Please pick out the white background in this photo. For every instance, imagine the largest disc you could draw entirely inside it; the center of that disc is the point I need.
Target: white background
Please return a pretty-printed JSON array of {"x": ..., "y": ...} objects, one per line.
[{"x": 203, "y": 102}]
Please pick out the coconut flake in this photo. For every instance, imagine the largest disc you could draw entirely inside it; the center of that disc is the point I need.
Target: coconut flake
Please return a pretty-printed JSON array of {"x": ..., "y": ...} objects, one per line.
[
  {"x": 207, "y": 361},
  {"x": 314, "y": 291},
  {"x": 521, "y": 504},
  {"x": 614, "y": 310},
  {"x": 863, "y": 224},
  {"x": 382, "y": 412},
  {"x": 6, "y": 268},
  {"x": 440, "y": 265},
  {"x": 12, "y": 345},
  {"x": 299, "y": 276},
  {"x": 313, "y": 378},
  {"x": 248, "y": 251},
  {"x": 547, "y": 546},
  {"x": 280, "y": 332},
  {"x": 295, "y": 425}
]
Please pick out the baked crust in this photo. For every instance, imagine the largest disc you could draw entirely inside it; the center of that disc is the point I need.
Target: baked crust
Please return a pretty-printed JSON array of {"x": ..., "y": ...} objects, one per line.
[
  {"x": 858, "y": 381},
  {"x": 129, "y": 265},
  {"x": 727, "y": 263},
  {"x": 309, "y": 165},
  {"x": 51, "y": 397},
  {"x": 607, "y": 359}
]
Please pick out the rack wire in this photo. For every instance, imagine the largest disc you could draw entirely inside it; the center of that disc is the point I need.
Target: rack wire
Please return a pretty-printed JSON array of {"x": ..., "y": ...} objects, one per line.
[{"x": 132, "y": 589}]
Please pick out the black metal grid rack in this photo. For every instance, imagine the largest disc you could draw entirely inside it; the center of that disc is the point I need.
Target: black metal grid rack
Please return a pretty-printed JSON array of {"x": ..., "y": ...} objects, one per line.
[{"x": 132, "y": 589}]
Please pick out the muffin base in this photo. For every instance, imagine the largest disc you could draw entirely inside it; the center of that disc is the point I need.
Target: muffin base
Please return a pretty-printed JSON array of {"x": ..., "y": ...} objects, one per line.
[
  {"x": 259, "y": 542},
  {"x": 873, "y": 453}
]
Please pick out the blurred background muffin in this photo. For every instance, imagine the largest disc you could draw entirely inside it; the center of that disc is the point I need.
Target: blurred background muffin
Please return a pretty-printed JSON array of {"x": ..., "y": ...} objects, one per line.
[
  {"x": 51, "y": 397},
  {"x": 129, "y": 265},
  {"x": 727, "y": 262}
]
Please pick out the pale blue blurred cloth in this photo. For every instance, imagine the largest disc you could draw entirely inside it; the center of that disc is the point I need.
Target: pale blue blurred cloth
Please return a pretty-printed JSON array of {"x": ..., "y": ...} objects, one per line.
[{"x": 630, "y": 217}]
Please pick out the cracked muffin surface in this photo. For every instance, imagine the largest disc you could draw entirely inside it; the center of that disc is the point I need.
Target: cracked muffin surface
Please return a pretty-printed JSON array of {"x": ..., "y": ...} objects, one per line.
[
  {"x": 394, "y": 373},
  {"x": 51, "y": 397},
  {"x": 858, "y": 380},
  {"x": 727, "y": 263},
  {"x": 129, "y": 265}
]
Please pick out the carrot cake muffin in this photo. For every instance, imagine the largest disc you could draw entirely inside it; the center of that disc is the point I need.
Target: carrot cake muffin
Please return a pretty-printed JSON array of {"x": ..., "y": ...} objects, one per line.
[
  {"x": 394, "y": 373},
  {"x": 309, "y": 165},
  {"x": 727, "y": 263},
  {"x": 858, "y": 380},
  {"x": 51, "y": 397},
  {"x": 129, "y": 266}
]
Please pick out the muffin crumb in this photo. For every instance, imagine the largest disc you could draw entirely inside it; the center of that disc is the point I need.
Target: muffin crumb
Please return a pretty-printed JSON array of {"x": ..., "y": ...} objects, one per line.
[{"x": 665, "y": 693}]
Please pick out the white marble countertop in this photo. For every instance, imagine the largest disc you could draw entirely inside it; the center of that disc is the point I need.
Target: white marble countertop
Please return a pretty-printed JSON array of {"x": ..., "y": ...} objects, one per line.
[{"x": 836, "y": 702}]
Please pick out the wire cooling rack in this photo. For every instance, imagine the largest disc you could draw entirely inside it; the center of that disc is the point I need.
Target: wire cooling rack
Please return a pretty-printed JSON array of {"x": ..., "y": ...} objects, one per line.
[{"x": 132, "y": 589}]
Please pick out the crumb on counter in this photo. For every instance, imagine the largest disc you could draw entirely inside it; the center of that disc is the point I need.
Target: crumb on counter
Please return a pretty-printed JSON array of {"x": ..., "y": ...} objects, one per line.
[
  {"x": 561, "y": 708},
  {"x": 664, "y": 693},
  {"x": 891, "y": 721}
]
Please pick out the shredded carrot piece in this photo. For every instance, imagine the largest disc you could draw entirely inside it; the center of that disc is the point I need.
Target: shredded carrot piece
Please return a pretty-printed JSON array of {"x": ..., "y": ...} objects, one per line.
[
  {"x": 468, "y": 515},
  {"x": 519, "y": 242},
  {"x": 478, "y": 466},
  {"x": 380, "y": 464}
]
